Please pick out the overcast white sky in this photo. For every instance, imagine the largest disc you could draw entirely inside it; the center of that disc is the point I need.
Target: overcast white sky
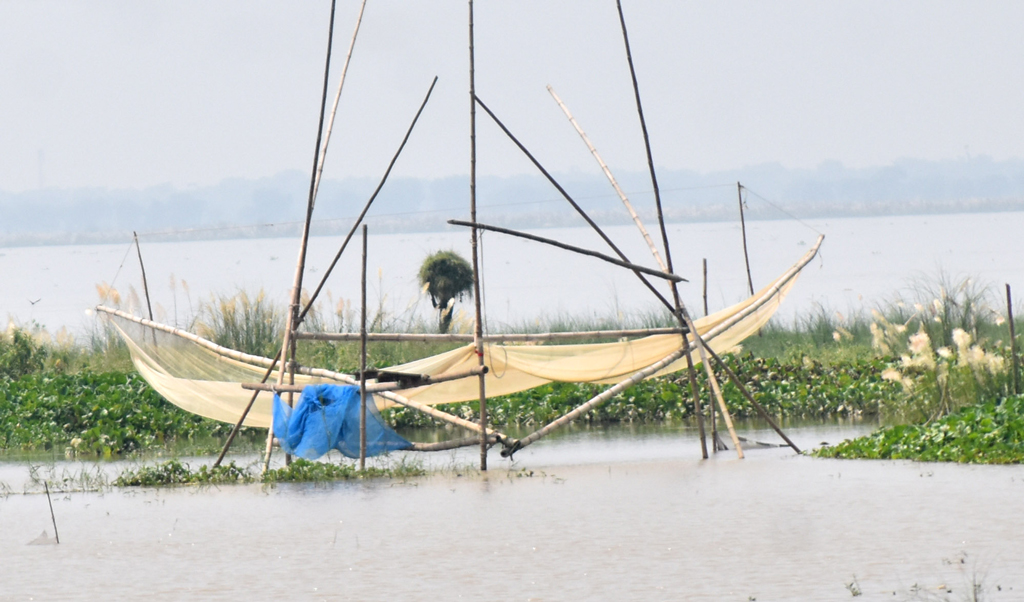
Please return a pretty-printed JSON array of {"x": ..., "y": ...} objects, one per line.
[{"x": 131, "y": 94}]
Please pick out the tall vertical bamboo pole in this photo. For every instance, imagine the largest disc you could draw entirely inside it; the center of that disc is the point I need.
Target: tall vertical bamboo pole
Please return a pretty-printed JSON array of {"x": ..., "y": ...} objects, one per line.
[
  {"x": 704, "y": 264},
  {"x": 697, "y": 411},
  {"x": 680, "y": 309},
  {"x": 337, "y": 98},
  {"x": 362, "y": 362},
  {"x": 743, "y": 229},
  {"x": 287, "y": 347},
  {"x": 1014, "y": 361},
  {"x": 478, "y": 327}
]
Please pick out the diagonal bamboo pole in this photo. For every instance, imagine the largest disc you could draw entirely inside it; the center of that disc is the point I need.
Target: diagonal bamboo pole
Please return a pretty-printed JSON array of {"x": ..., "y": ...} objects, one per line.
[
  {"x": 715, "y": 389},
  {"x": 334, "y": 262},
  {"x": 594, "y": 402},
  {"x": 572, "y": 202},
  {"x": 680, "y": 309},
  {"x": 366, "y": 207},
  {"x": 611, "y": 179},
  {"x": 561, "y": 245},
  {"x": 743, "y": 389}
]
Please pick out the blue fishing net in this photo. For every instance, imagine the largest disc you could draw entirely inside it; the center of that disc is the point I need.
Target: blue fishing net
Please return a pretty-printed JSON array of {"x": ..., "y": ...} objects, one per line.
[{"x": 326, "y": 417}]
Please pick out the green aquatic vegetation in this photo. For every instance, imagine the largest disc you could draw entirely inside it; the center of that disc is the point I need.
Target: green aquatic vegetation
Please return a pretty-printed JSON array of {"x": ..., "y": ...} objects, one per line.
[
  {"x": 92, "y": 414},
  {"x": 796, "y": 389},
  {"x": 175, "y": 472},
  {"x": 988, "y": 433}
]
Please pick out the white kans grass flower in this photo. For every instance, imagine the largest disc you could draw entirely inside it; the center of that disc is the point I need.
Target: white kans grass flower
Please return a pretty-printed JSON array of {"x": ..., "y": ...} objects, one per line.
[
  {"x": 920, "y": 343},
  {"x": 961, "y": 339},
  {"x": 944, "y": 352},
  {"x": 918, "y": 307},
  {"x": 836, "y": 336},
  {"x": 892, "y": 374}
]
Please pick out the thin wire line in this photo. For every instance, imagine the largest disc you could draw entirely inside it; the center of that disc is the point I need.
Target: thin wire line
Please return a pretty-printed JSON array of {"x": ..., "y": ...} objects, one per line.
[
  {"x": 123, "y": 259},
  {"x": 805, "y": 224}
]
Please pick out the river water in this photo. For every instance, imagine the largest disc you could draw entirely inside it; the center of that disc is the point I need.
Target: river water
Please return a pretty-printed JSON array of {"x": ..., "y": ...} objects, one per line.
[
  {"x": 614, "y": 514},
  {"x": 863, "y": 262}
]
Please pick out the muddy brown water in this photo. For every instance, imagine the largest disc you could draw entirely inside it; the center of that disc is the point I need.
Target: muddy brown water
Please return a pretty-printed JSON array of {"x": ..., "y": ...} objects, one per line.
[{"x": 611, "y": 514}]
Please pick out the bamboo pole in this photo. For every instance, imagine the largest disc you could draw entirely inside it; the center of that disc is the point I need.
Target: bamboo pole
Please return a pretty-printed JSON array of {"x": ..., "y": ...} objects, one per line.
[
  {"x": 53, "y": 517},
  {"x": 743, "y": 229},
  {"x": 594, "y": 402},
  {"x": 366, "y": 207},
  {"x": 145, "y": 284},
  {"x": 701, "y": 348},
  {"x": 718, "y": 329},
  {"x": 450, "y": 444},
  {"x": 561, "y": 245},
  {"x": 704, "y": 263},
  {"x": 379, "y": 387},
  {"x": 245, "y": 413},
  {"x": 1014, "y": 360},
  {"x": 478, "y": 327},
  {"x": 488, "y": 338},
  {"x": 575, "y": 205},
  {"x": 337, "y": 257},
  {"x": 337, "y": 98},
  {"x": 743, "y": 389},
  {"x": 695, "y": 393},
  {"x": 680, "y": 310},
  {"x": 403, "y": 401},
  {"x": 611, "y": 179},
  {"x": 218, "y": 349},
  {"x": 293, "y": 308},
  {"x": 362, "y": 362}
]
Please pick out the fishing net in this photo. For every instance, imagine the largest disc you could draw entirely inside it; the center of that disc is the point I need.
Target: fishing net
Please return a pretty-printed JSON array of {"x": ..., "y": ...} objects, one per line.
[
  {"x": 326, "y": 417},
  {"x": 202, "y": 378}
]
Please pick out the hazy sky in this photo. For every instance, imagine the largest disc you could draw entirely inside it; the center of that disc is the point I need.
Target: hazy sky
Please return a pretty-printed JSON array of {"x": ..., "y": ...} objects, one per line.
[{"x": 131, "y": 94}]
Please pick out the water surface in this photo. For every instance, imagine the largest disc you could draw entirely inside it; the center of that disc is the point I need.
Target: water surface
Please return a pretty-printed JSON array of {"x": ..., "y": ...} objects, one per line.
[{"x": 592, "y": 515}]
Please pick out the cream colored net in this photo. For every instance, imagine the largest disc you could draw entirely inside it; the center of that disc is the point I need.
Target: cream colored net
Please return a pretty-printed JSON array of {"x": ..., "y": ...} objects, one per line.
[{"x": 195, "y": 376}]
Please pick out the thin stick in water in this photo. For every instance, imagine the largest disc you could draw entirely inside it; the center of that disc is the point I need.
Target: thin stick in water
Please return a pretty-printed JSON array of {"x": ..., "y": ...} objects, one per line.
[
  {"x": 704, "y": 263},
  {"x": 53, "y": 518}
]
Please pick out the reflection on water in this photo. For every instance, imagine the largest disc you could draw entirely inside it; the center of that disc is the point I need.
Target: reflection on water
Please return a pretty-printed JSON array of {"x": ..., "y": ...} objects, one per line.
[{"x": 607, "y": 514}]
